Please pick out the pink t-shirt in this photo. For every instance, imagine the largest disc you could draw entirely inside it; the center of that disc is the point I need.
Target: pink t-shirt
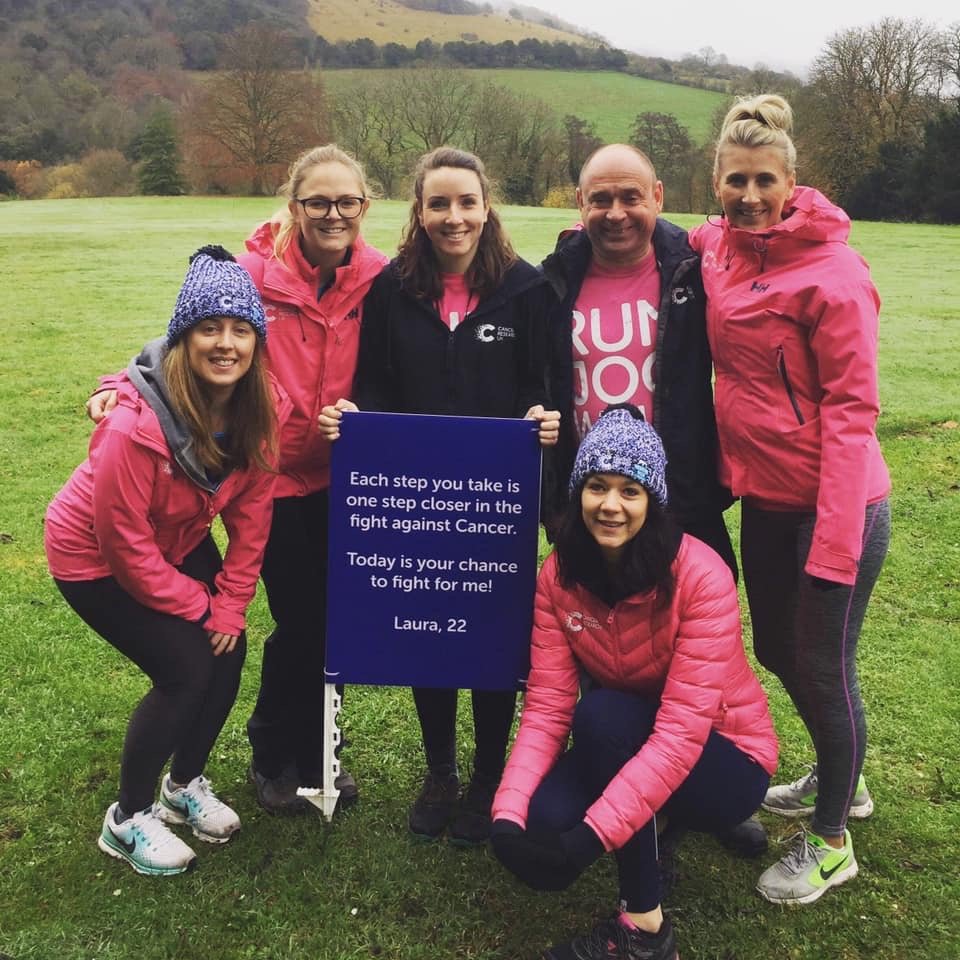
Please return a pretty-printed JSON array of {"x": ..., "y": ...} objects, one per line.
[
  {"x": 614, "y": 339},
  {"x": 457, "y": 300}
]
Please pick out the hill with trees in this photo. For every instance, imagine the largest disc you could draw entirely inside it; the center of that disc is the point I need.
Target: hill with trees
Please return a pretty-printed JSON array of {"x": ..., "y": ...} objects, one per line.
[{"x": 102, "y": 97}]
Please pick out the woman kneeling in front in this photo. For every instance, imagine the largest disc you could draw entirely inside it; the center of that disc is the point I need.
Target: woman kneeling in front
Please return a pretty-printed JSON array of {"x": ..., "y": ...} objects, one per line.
[{"x": 672, "y": 720}]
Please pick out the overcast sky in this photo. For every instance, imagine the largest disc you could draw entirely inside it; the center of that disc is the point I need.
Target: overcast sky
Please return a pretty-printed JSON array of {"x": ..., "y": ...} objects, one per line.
[{"x": 785, "y": 36}]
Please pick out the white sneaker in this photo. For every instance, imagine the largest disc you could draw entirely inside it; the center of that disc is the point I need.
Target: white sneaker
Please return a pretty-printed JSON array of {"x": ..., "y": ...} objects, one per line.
[
  {"x": 197, "y": 805},
  {"x": 145, "y": 843}
]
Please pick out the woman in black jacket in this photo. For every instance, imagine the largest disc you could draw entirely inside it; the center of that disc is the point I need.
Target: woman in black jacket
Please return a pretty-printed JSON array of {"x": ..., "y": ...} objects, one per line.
[{"x": 455, "y": 325}]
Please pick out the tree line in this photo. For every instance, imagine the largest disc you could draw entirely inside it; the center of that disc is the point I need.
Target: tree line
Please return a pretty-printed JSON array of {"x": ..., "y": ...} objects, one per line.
[{"x": 878, "y": 125}]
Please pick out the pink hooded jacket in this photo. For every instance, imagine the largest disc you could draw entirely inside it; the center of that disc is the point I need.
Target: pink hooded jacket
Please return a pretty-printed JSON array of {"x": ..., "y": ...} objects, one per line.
[
  {"x": 792, "y": 323},
  {"x": 688, "y": 654},
  {"x": 129, "y": 511},
  {"x": 311, "y": 345}
]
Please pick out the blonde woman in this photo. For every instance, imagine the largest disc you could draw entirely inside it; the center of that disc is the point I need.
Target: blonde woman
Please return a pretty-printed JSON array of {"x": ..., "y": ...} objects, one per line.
[{"x": 792, "y": 320}]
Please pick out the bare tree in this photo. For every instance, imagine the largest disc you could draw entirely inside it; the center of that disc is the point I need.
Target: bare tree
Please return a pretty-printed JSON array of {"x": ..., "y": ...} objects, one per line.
[
  {"x": 257, "y": 112},
  {"x": 435, "y": 103},
  {"x": 869, "y": 86},
  {"x": 950, "y": 61},
  {"x": 371, "y": 124}
]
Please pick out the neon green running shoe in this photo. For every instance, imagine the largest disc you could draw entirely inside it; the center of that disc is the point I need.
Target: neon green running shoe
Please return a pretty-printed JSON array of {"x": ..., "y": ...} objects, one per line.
[
  {"x": 798, "y": 799},
  {"x": 808, "y": 871}
]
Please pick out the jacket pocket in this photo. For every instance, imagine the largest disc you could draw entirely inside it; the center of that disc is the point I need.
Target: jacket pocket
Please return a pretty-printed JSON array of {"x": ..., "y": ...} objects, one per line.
[{"x": 785, "y": 380}]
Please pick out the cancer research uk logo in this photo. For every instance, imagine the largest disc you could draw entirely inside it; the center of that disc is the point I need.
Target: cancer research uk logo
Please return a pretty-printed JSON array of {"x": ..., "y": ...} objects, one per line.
[
  {"x": 576, "y": 621},
  {"x": 490, "y": 333}
]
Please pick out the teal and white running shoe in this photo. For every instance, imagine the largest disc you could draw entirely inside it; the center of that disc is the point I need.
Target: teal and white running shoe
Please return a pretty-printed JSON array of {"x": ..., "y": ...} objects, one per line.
[
  {"x": 798, "y": 799},
  {"x": 145, "y": 843},
  {"x": 197, "y": 805},
  {"x": 808, "y": 871}
]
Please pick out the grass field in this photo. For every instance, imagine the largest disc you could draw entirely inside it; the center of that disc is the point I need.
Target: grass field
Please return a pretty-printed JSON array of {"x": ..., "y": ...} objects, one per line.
[
  {"x": 609, "y": 100},
  {"x": 385, "y": 21},
  {"x": 86, "y": 283}
]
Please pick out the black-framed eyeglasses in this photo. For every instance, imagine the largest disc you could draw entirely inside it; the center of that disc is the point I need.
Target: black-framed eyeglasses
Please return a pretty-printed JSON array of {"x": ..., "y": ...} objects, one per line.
[{"x": 318, "y": 208}]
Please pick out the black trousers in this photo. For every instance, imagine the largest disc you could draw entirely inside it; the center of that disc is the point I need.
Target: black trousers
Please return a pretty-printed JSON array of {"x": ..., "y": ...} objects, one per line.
[
  {"x": 286, "y": 727},
  {"x": 184, "y": 711}
]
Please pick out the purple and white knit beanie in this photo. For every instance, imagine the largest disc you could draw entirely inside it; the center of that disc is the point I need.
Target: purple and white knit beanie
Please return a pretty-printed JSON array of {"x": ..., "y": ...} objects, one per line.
[
  {"x": 216, "y": 286},
  {"x": 619, "y": 443}
]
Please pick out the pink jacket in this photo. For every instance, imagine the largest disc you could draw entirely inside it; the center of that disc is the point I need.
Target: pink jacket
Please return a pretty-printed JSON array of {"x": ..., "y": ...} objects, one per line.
[
  {"x": 129, "y": 511},
  {"x": 792, "y": 323},
  {"x": 689, "y": 655},
  {"x": 311, "y": 345}
]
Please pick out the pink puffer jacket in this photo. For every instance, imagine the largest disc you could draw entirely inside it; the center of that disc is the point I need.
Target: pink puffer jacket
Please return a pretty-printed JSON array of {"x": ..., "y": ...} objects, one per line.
[{"x": 688, "y": 654}]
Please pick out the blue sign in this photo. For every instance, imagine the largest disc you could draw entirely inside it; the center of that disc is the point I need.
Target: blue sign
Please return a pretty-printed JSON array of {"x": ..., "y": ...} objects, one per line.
[{"x": 433, "y": 551}]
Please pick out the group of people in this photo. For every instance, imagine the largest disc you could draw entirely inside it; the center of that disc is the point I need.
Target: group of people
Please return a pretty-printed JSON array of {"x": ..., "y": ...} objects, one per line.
[{"x": 611, "y": 346}]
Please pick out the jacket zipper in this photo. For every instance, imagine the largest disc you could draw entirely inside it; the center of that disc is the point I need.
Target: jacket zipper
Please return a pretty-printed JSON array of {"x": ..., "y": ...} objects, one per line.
[{"x": 791, "y": 396}]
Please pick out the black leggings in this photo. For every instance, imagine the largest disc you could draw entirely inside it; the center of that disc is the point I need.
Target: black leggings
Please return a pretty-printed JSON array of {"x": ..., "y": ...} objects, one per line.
[
  {"x": 192, "y": 693},
  {"x": 493, "y": 712},
  {"x": 286, "y": 727}
]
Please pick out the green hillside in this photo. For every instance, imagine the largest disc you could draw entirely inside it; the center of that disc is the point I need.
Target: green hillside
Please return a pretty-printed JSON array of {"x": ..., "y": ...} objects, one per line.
[{"x": 609, "y": 100}]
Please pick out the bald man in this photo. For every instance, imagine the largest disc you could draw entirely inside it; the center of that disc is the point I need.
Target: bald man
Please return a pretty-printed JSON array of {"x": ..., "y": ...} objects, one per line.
[{"x": 629, "y": 326}]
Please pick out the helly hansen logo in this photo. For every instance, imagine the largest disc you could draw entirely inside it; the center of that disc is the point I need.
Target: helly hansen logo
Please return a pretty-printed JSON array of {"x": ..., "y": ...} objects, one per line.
[{"x": 759, "y": 287}]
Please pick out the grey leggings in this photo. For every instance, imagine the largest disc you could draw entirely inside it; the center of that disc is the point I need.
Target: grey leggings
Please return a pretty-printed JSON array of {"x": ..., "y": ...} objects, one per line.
[{"x": 807, "y": 636}]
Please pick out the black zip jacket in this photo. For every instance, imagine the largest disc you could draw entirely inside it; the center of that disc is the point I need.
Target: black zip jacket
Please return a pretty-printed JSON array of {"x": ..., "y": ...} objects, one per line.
[
  {"x": 683, "y": 393},
  {"x": 494, "y": 364}
]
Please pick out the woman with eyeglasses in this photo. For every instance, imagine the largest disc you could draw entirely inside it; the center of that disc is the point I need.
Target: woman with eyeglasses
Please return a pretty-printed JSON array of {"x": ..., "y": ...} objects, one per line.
[
  {"x": 313, "y": 270},
  {"x": 455, "y": 325}
]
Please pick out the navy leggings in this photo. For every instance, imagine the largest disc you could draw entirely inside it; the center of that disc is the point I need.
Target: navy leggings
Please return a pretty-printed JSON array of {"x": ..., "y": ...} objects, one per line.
[
  {"x": 808, "y": 637},
  {"x": 723, "y": 788},
  {"x": 192, "y": 693}
]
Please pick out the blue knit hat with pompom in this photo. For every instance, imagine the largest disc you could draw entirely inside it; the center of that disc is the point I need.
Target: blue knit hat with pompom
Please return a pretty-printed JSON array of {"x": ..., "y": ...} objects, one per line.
[
  {"x": 216, "y": 286},
  {"x": 620, "y": 443}
]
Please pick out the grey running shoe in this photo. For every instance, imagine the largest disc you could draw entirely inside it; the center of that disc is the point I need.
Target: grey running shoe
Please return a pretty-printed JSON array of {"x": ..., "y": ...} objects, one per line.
[
  {"x": 145, "y": 843},
  {"x": 198, "y": 806},
  {"x": 808, "y": 871},
  {"x": 799, "y": 798}
]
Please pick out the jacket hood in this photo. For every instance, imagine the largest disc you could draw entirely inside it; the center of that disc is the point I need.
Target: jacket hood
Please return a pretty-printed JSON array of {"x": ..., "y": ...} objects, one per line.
[
  {"x": 808, "y": 216},
  {"x": 146, "y": 374}
]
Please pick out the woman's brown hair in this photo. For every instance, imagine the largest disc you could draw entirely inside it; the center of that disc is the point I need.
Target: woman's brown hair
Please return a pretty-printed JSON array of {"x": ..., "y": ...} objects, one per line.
[
  {"x": 251, "y": 434},
  {"x": 417, "y": 263}
]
